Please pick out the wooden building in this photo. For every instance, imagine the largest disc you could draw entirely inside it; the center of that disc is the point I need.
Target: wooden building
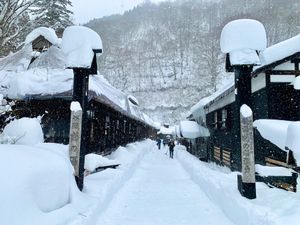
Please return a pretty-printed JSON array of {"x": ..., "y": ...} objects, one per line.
[
  {"x": 273, "y": 97},
  {"x": 40, "y": 85}
]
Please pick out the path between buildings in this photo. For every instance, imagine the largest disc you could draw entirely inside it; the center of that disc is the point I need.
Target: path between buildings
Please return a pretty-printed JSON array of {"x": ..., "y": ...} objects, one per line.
[{"x": 161, "y": 193}]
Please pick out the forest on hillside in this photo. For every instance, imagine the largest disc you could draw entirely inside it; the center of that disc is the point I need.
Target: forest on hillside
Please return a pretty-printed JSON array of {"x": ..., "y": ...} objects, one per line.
[{"x": 168, "y": 54}]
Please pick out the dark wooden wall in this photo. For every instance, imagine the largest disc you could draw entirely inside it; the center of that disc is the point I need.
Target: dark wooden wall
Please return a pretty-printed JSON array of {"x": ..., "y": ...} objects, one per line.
[{"x": 107, "y": 128}]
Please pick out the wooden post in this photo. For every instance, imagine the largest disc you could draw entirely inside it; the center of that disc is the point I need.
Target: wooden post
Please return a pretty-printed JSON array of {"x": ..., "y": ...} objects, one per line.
[
  {"x": 247, "y": 181},
  {"x": 75, "y": 136}
]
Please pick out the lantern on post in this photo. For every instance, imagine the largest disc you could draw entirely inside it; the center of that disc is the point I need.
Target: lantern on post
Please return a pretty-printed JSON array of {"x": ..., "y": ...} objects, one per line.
[
  {"x": 242, "y": 40},
  {"x": 81, "y": 45}
]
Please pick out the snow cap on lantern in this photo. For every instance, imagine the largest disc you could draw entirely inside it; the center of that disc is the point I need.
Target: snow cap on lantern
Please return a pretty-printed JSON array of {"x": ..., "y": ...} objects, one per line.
[
  {"x": 80, "y": 44},
  {"x": 241, "y": 39}
]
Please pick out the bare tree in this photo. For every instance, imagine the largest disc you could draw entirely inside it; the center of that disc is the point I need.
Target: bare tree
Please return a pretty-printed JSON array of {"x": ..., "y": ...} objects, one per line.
[{"x": 13, "y": 19}]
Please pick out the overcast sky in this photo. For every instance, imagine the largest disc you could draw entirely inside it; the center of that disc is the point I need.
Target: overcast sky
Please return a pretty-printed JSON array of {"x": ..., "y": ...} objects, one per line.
[{"x": 85, "y": 10}]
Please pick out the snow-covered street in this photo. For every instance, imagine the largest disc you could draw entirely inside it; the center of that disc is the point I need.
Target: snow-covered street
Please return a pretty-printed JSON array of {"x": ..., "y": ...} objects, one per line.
[{"x": 161, "y": 192}]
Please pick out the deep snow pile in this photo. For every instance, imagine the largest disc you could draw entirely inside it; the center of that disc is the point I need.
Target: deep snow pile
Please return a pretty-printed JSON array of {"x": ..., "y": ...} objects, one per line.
[
  {"x": 38, "y": 186},
  {"x": 24, "y": 131}
]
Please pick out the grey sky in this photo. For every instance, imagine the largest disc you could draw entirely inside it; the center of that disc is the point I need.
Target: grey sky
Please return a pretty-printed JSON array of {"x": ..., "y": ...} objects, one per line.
[{"x": 85, "y": 10}]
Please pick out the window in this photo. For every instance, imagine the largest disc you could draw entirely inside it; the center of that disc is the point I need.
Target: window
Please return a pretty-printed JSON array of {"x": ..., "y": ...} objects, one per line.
[
  {"x": 215, "y": 120},
  {"x": 224, "y": 118}
]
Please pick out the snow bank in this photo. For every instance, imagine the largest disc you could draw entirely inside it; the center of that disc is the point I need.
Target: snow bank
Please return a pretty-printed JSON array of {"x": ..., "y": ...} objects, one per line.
[
  {"x": 271, "y": 207},
  {"x": 92, "y": 161},
  {"x": 24, "y": 131},
  {"x": 38, "y": 186},
  {"x": 46, "y": 32},
  {"x": 78, "y": 43},
  {"x": 221, "y": 188},
  {"x": 105, "y": 184},
  {"x": 191, "y": 129},
  {"x": 243, "y": 34}
]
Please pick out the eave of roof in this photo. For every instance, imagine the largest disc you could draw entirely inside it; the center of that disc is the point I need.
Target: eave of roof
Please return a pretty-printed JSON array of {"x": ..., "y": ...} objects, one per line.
[{"x": 274, "y": 64}]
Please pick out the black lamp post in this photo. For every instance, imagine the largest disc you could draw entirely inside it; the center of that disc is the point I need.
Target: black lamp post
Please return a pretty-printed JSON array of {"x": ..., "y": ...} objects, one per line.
[
  {"x": 241, "y": 40},
  {"x": 80, "y": 94},
  {"x": 81, "y": 77}
]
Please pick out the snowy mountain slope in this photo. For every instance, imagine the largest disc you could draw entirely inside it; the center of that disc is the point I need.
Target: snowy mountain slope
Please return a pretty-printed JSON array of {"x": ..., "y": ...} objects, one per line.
[{"x": 163, "y": 49}]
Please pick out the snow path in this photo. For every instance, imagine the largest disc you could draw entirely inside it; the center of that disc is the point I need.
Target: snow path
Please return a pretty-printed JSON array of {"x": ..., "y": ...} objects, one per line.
[{"x": 161, "y": 192}]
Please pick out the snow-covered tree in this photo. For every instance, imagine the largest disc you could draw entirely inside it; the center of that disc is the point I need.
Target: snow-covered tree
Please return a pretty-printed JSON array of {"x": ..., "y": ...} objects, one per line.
[
  {"x": 53, "y": 13},
  {"x": 14, "y": 20}
]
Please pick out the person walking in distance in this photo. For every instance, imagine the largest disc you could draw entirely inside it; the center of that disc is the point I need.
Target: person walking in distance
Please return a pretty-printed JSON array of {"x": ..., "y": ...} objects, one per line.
[
  {"x": 158, "y": 143},
  {"x": 171, "y": 148}
]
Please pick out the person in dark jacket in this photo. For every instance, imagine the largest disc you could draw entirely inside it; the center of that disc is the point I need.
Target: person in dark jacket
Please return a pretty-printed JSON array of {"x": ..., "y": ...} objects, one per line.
[
  {"x": 171, "y": 148},
  {"x": 158, "y": 143}
]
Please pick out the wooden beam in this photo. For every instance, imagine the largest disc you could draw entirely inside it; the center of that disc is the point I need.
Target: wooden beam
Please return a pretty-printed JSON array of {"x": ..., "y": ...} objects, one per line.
[{"x": 283, "y": 72}]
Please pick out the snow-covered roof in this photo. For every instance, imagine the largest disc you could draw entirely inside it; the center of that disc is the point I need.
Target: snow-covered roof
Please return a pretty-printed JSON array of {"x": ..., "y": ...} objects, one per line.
[
  {"x": 79, "y": 43},
  {"x": 205, "y": 102},
  {"x": 46, "y": 32},
  {"x": 164, "y": 130},
  {"x": 18, "y": 61},
  {"x": 282, "y": 133},
  {"x": 273, "y": 130},
  {"x": 47, "y": 76},
  {"x": 278, "y": 53},
  {"x": 280, "y": 50},
  {"x": 191, "y": 130}
]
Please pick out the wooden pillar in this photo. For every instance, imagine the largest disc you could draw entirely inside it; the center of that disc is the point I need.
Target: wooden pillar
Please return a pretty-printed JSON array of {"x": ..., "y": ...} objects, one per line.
[
  {"x": 246, "y": 183},
  {"x": 80, "y": 94},
  {"x": 242, "y": 96},
  {"x": 75, "y": 137}
]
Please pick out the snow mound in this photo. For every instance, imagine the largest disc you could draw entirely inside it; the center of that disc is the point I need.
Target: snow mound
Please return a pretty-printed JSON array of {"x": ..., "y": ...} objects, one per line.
[
  {"x": 92, "y": 161},
  {"x": 35, "y": 183},
  {"x": 243, "y": 34},
  {"x": 24, "y": 131},
  {"x": 78, "y": 43},
  {"x": 191, "y": 129},
  {"x": 47, "y": 33}
]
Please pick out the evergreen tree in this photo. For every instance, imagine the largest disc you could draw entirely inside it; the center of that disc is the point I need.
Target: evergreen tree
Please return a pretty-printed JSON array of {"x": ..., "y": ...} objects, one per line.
[{"x": 53, "y": 13}]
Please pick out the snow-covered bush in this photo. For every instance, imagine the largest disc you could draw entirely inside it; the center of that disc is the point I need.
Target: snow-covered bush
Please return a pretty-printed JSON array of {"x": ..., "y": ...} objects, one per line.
[{"x": 24, "y": 131}]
